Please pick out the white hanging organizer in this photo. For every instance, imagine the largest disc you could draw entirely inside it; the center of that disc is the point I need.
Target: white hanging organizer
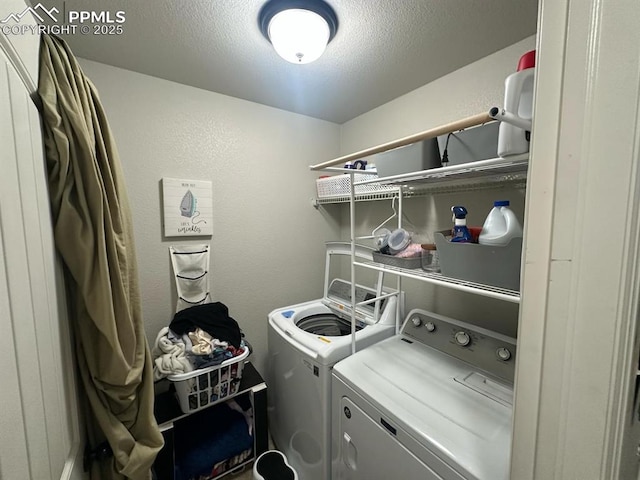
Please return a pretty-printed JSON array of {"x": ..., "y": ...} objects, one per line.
[{"x": 191, "y": 270}]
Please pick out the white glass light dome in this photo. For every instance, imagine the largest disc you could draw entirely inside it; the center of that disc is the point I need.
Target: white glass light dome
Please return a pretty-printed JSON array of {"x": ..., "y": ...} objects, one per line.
[
  {"x": 299, "y": 30},
  {"x": 299, "y": 36}
]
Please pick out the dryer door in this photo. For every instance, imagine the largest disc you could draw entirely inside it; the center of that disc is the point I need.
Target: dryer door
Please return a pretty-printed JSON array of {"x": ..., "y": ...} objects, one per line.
[{"x": 369, "y": 449}]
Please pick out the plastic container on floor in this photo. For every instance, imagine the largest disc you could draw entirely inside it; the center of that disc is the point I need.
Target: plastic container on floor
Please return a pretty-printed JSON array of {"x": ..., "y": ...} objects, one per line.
[{"x": 273, "y": 465}]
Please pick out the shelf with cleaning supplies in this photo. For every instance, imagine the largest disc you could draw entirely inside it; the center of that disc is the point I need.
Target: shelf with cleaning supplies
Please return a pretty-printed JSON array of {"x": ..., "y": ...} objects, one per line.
[{"x": 482, "y": 174}]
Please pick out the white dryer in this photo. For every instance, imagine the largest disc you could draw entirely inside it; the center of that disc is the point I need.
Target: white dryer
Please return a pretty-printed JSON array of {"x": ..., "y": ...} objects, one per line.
[
  {"x": 305, "y": 342},
  {"x": 433, "y": 402}
]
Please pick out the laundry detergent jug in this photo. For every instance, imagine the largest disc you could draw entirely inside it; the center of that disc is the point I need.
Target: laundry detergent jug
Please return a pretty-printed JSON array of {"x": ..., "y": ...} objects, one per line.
[
  {"x": 500, "y": 226},
  {"x": 518, "y": 101}
]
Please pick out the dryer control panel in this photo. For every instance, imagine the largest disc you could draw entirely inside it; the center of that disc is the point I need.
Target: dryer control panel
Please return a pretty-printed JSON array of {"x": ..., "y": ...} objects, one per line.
[{"x": 482, "y": 348}]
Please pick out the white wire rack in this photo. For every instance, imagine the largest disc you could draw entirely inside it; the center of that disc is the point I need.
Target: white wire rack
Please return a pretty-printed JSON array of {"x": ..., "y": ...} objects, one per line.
[
  {"x": 511, "y": 296},
  {"x": 485, "y": 170},
  {"x": 480, "y": 175}
]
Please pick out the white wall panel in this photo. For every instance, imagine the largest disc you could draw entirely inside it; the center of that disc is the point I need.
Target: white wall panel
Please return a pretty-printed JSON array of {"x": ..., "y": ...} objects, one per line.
[{"x": 578, "y": 352}]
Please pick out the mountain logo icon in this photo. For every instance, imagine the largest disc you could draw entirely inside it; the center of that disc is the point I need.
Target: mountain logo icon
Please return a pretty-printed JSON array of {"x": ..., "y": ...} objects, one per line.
[{"x": 39, "y": 12}]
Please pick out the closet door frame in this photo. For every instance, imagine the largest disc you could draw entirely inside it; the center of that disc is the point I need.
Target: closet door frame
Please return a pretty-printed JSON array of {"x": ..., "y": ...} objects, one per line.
[
  {"x": 574, "y": 412},
  {"x": 40, "y": 416}
]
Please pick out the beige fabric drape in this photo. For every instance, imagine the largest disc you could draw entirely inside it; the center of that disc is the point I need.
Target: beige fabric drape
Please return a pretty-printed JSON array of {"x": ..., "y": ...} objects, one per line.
[{"x": 94, "y": 235}]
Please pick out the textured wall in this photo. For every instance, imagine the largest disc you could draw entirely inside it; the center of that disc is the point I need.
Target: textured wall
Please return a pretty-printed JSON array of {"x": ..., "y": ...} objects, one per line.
[
  {"x": 268, "y": 241},
  {"x": 267, "y": 246},
  {"x": 467, "y": 91},
  {"x": 470, "y": 90}
]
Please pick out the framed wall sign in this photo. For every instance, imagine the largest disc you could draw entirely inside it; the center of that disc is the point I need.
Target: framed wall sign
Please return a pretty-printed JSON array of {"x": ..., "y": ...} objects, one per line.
[{"x": 188, "y": 207}]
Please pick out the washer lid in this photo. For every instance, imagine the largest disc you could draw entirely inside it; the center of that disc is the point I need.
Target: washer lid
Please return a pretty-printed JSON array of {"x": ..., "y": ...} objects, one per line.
[
  {"x": 416, "y": 386},
  {"x": 322, "y": 349}
]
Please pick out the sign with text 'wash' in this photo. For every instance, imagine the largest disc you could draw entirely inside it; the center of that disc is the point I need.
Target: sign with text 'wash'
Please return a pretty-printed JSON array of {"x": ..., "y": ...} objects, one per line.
[{"x": 188, "y": 207}]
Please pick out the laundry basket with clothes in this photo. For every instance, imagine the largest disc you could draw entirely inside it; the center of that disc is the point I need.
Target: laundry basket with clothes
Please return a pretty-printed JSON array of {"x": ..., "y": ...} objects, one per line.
[{"x": 202, "y": 353}]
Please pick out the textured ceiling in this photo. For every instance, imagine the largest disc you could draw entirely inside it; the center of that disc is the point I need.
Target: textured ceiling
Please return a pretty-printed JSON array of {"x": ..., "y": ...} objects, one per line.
[{"x": 383, "y": 48}]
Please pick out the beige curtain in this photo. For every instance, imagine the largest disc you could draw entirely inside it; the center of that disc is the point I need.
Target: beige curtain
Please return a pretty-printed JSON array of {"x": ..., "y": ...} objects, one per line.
[{"x": 94, "y": 235}]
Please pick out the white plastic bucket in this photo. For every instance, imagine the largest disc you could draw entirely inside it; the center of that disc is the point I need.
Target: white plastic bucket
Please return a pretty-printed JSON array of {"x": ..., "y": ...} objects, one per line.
[{"x": 273, "y": 465}]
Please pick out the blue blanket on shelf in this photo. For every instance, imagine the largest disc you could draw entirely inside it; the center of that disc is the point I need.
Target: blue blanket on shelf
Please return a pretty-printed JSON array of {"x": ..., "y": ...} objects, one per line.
[{"x": 208, "y": 437}]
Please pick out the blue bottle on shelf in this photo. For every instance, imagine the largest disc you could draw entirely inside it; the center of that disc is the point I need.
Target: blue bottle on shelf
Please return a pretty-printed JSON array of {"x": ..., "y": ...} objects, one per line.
[{"x": 461, "y": 233}]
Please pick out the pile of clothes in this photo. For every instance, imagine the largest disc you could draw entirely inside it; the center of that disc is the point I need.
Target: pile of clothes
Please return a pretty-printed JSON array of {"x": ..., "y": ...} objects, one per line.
[{"x": 197, "y": 337}]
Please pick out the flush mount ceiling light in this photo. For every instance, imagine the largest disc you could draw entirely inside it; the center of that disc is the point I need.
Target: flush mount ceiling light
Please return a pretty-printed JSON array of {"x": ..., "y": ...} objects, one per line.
[{"x": 299, "y": 30}]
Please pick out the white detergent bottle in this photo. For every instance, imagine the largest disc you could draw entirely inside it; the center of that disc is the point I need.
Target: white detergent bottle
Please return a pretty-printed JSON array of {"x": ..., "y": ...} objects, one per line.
[
  {"x": 518, "y": 100},
  {"x": 500, "y": 226}
]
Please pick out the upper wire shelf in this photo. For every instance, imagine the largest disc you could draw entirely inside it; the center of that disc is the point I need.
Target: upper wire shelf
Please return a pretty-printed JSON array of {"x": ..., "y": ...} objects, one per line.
[
  {"x": 480, "y": 175},
  {"x": 495, "y": 169}
]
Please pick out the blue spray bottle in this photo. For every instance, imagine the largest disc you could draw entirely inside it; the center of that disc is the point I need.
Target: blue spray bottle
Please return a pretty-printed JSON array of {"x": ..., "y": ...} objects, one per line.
[{"x": 460, "y": 231}]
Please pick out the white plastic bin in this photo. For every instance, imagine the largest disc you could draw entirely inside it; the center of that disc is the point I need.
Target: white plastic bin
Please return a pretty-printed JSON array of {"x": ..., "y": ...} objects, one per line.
[{"x": 206, "y": 386}]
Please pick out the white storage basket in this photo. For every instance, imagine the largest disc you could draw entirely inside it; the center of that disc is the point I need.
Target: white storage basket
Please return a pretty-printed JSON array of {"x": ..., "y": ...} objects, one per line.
[
  {"x": 206, "y": 386},
  {"x": 340, "y": 185}
]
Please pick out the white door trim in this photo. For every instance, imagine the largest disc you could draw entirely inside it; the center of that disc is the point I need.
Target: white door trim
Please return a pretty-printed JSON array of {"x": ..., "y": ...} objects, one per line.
[
  {"x": 578, "y": 319},
  {"x": 41, "y": 431}
]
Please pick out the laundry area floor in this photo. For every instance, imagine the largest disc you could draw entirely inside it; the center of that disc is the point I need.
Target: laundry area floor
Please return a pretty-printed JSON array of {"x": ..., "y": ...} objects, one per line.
[{"x": 247, "y": 474}]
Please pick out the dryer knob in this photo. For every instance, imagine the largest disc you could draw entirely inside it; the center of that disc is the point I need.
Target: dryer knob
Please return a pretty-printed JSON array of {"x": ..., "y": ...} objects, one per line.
[
  {"x": 503, "y": 354},
  {"x": 416, "y": 321},
  {"x": 430, "y": 326},
  {"x": 462, "y": 338}
]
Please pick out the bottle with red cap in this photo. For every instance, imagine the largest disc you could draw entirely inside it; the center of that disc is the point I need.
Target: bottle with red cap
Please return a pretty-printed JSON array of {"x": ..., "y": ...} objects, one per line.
[{"x": 518, "y": 100}]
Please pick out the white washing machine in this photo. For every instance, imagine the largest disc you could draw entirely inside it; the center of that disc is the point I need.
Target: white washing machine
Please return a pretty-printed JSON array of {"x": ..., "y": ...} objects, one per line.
[
  {"x": 305, "y": 342},
  {"x": 433, "y": 402}
]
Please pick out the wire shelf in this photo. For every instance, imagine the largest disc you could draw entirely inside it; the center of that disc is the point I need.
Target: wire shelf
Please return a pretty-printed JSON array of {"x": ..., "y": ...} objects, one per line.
[
  {"x": 481, "y": 175},
  {"x": 511, "y": 296},
  {"x": 484, "y": 170},
  {"x": 423, "y": 190}
]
